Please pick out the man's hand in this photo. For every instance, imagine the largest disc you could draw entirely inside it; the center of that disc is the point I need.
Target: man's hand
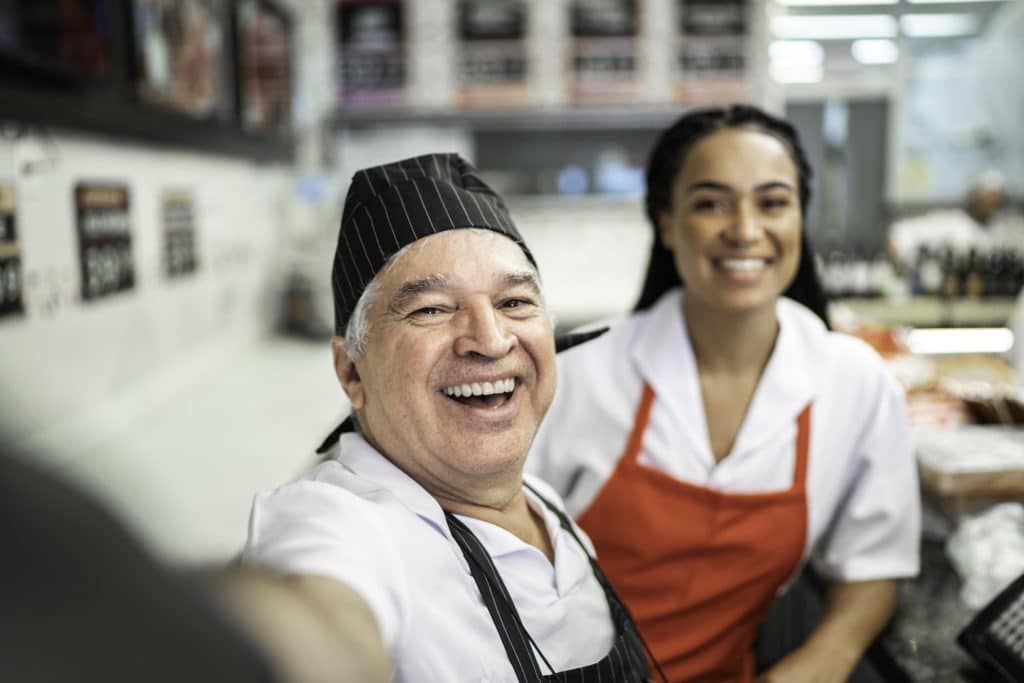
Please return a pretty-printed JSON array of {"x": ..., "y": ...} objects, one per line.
[{"x": 314, "y": 629}]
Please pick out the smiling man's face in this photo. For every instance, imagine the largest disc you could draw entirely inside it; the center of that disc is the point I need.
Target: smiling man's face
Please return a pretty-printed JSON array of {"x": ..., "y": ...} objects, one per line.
[{"x": 459, "y": 366}]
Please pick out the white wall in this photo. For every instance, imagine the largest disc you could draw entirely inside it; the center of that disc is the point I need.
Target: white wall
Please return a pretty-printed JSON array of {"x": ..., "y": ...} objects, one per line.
[{"x": 166, "y": 399}]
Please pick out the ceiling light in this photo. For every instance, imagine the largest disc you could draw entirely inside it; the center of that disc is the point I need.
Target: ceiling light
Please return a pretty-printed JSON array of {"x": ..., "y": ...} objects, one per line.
[
  {"x": 875, "y": 51},
  {"x": 834, "y": 3},
  {"x": 796, "y": 52},
  {"x": 960, "y": 340},
  {"x": 796, "y": 73},
  {"x": 938, "y": 25},
  {"x": 827, "y": 27},
  {"x": 944, "y": 2}
]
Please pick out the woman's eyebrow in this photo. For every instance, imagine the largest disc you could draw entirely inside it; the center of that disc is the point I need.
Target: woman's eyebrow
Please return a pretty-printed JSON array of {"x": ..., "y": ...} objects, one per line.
[{"x": 722, "y": 187}]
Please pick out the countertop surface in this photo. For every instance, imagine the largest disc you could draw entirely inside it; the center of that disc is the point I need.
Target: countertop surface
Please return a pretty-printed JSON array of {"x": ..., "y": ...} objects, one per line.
[{"x": 923, "y": 634}]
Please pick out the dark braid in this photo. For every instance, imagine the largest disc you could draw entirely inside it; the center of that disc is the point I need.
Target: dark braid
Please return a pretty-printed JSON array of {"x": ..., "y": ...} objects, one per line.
[{"x": 666, "y": 159}]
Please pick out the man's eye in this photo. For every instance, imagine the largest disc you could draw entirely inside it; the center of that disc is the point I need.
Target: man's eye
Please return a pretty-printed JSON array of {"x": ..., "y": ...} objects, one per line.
[
  {"x": 427, "y": 311},
  {"x": 513, "y": 304}
]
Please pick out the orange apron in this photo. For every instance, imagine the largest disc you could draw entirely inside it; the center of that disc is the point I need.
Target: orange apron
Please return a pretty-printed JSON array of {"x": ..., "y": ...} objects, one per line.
[{"x": 698, "y": 568}]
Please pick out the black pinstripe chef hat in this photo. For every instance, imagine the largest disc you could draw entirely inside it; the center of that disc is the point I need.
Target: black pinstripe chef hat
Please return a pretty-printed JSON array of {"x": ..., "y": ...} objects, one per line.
[{"x": 391, "y": 206}]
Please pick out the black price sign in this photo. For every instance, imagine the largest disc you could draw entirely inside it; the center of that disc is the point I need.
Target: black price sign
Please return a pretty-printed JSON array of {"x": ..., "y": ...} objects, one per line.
[
  {"x": 10, "y": 254},
  {"x": 179, "y": 218},
  {"x": 372, "y": 52},
  {"x": 604, "y": 59},
  {"x": 604, "y": 18},
  {"x": 713, "y": 17},
  {"x": 104, "y": 239},
  {"x": 493, "y": 63}
]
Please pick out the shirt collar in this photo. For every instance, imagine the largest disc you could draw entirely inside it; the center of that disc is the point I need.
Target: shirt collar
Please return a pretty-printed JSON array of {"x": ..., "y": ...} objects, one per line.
[
  {"x": 373, "y": 467},
  {"x": 664, "y": 356}
]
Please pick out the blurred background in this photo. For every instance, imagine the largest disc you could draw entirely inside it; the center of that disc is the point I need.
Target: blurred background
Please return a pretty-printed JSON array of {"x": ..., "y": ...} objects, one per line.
[{"x": 172, "y": 174}]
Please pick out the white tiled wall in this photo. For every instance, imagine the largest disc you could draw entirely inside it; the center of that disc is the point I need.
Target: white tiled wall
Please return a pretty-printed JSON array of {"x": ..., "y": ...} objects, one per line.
[{"x": 165, "y": 399}]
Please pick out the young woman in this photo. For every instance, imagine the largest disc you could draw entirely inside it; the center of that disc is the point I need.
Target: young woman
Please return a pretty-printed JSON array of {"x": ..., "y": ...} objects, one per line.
[{"x": 722, "y": 435}]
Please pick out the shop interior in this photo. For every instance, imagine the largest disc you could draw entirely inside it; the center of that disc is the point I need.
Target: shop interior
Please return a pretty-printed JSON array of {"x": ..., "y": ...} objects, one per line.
[{"x": 172, "y": 177}]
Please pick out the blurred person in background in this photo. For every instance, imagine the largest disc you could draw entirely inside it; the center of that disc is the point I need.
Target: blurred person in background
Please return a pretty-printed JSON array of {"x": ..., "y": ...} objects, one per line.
[
  {"x": 446, "y": 352},
  {"x": 722, "y": 436},
  {"x": 984, "y": 223}
]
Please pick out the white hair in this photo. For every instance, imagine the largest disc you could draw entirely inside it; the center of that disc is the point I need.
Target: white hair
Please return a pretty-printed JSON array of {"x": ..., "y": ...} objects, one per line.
[{"x": 357, "y": 331}]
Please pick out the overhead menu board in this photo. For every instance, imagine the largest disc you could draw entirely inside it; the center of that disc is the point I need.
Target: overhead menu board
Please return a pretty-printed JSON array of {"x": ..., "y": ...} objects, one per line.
[
  {"x": 493, "y": 66},
  {"x": 372, "y": 51},
  {"x": 179, "y": 222},
  {"x": 181, "y": 58},
  {"x": 265, "y": 66},
  {"x": 604, "y": 50},
  {"x": 104, "y": 238},
  {"x": 10, "y": 253},
  {"x": 712, "y": 51}
]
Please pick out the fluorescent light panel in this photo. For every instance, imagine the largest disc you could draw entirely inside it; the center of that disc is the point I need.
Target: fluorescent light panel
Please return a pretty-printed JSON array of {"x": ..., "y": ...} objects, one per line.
[
  {"x": 938, "y": 25},
  {"x": 875, "y": 51},
  {"x": 796, "y": 52},
  {"x": 796, "y": 73},
  {"x": 834, "y": 3},
  {"x": 960, "y": 340},
  {"x": 835, "y": 27}
]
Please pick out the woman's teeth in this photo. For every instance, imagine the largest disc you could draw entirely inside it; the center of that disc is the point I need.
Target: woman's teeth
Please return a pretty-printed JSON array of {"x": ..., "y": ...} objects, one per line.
[
  {"x": 502, "y": 386},
  {"x": 744, "y": 265}
]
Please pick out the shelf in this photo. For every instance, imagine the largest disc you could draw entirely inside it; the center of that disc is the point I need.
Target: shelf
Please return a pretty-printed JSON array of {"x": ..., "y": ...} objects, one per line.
[
  {"x": 922, "y": 311},
  {"x": 98, "y": 113},
  {"x": 634, "y": 117}
]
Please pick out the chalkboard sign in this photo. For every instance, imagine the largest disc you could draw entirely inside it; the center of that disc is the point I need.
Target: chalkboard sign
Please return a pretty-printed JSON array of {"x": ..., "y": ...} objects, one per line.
[
  {"x": 10, "y": 256},
  {"x": 104, "y": 239}
]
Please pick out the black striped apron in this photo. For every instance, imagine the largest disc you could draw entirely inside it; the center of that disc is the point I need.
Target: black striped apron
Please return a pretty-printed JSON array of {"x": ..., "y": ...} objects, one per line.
[{"x": 625, "y": 663}]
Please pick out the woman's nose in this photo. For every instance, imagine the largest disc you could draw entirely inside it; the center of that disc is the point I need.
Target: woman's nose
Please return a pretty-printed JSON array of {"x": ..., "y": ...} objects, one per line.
[
  {"x": 745, "y": 226},
  {"x": 483, "y": 332}
]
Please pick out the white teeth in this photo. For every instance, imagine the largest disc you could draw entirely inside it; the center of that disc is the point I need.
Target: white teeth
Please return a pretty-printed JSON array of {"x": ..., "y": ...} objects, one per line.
[
  {"x": 501, "y": 386},
  {"x": 743, "y": 264}
]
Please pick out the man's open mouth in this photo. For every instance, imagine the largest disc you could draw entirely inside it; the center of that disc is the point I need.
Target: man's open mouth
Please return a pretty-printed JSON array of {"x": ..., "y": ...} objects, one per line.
[{"x": 482, "y": 394}]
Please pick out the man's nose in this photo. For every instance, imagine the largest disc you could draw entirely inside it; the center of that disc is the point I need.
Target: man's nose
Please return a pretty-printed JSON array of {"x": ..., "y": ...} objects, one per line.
[{"x": 482, "y": 331}]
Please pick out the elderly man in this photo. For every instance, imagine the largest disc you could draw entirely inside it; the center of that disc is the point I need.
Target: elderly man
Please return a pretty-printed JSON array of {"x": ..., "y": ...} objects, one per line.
[{"x": 422, "y": 516}]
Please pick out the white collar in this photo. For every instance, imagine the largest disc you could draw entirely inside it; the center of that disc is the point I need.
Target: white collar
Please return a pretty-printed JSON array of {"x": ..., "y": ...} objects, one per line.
[
  {"x": 380, "y": 474},
  {"x": 664, "y": 356}
]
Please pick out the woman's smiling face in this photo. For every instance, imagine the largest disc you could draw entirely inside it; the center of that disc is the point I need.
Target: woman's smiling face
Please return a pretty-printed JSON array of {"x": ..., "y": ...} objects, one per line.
[{"x": 735, "y": 220}]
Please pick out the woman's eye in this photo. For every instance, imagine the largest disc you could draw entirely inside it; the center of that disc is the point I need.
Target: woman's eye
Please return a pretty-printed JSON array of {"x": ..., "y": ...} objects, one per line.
[
  {"x": 707, "y": 205},
  {"x": 774, "y": 203}
]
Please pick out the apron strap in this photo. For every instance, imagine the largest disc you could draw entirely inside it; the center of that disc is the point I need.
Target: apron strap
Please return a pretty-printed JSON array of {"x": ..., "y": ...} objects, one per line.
[
  {"x": 514, "y": 636},
  {"x": 618, "y": 608}
]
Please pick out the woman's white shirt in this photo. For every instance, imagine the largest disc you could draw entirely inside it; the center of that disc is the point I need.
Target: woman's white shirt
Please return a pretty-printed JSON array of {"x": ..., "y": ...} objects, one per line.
[
  {"x": 862, "y": 488},
  {"x": 361, "y": 520}
]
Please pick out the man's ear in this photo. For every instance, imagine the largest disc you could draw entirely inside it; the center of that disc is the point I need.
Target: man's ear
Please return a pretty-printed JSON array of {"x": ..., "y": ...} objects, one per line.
[{"x": 347, "y": 373}]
